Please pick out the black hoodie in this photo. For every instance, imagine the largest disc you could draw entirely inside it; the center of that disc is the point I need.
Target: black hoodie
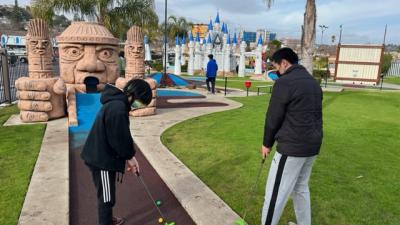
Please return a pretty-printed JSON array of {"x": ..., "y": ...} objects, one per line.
[
  {"x": 110, "y": 142},
  {"x": 294, "y": 116}
]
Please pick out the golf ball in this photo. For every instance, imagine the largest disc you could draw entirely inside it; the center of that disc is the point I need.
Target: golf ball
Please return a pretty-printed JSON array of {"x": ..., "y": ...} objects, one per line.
[{"x": 160, "y": 220}]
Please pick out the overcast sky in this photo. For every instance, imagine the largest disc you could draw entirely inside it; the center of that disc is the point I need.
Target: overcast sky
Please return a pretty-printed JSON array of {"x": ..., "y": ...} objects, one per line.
[{"x": 363, "y": 20}]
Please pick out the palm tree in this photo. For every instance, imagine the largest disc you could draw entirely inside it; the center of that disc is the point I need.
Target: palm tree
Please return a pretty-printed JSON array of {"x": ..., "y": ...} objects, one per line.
[
  {"x": 116, "y": 15},
  {"x": 308, "y": 33},
  {"x": 177, "y": 27}
]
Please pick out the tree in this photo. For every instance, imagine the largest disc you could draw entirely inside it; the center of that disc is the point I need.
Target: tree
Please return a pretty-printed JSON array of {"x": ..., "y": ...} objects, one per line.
[
  {"x": 308, "y": 33},
  {"x": 176, "y": 27},
  {"x": 272, "y": 47},
  {"x": 117, "y": 16},
  {"x": 386, "y": 63},
  {"x": 16, "y": 16}
]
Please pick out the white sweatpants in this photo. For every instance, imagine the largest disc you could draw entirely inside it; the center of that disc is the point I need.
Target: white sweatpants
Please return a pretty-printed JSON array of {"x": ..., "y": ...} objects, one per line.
[{"x": 288, "y": 176}]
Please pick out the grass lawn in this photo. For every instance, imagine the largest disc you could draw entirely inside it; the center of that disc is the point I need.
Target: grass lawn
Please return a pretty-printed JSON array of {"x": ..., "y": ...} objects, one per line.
[
  {"x": 355, "y": 179},
  {"x": 19, "y": 148},
  {"x": 392, "y": 80},
  {"x": 238, "y": 83}
]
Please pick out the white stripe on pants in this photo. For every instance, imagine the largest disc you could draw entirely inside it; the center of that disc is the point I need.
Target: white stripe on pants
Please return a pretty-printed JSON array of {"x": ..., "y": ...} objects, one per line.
[
  {"x": 105, "y": 180},
  {"x": 288, "y": 176}
]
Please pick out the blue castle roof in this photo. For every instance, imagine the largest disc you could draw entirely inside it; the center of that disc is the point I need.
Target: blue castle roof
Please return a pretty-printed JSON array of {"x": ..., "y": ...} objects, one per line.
[
  {"x": 234, "y": 39},
  {"x": 177, "y": 42},
  {"x": 191, "y": 36},
  {"x": 260, "y": 40},
  {"x": 217, "y": 18},
  {"x": 210, "y": 25},
  {"x": 197, "y": 37},
  {"x": 228, "y": 41},
  {"x": 183, "y": 40},
  {"x": 209, "y": 39}
]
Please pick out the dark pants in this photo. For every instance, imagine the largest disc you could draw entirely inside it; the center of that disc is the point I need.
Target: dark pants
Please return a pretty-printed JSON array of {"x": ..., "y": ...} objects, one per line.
[
  {"x": 212, "y": 81},
  {"x": 105, "y": 187}
]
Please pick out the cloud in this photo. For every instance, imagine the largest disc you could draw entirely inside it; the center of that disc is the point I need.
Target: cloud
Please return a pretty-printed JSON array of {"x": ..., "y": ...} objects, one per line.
[{"x": 363, "y": 20}]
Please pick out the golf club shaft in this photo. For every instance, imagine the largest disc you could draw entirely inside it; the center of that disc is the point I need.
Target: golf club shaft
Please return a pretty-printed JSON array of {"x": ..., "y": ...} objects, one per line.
[
  {"x": 251, "y": 193},
  {"x": 149, "y": 194}
]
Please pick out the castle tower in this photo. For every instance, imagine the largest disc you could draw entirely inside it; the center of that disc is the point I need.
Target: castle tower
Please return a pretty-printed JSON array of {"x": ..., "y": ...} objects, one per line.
[
  {"x": 197, "y": 54},
  {"x": 227, "y": 60},
  {"x": 242, "y": 59},
  {"x": 191, "y": 55},
  {"x": 207, "y": 52},
  {"x": 183, "y": 50},
  {"x": 258, "y": 66},
  {"x": 147, "y": 52},
  {"x": 234, "y": 52},
  {"x": 177, "y": 67}
]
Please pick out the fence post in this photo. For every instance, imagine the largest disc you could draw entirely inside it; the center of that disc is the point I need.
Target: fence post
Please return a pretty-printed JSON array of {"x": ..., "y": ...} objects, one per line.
[{"x": 5, "y": 74}]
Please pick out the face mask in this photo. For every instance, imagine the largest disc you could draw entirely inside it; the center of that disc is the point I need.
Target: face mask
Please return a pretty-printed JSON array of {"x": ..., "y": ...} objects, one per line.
[{"x": 137, "y": 104}]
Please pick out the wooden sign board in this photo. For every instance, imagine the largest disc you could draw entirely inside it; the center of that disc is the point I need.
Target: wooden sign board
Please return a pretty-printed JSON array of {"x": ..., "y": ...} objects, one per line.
[{"x": 359, "y": 64}]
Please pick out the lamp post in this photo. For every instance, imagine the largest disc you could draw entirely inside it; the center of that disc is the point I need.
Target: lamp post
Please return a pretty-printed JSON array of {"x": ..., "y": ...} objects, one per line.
[
  {"x": 165, "y": 39},
  {"x": 323, "y": 28}
]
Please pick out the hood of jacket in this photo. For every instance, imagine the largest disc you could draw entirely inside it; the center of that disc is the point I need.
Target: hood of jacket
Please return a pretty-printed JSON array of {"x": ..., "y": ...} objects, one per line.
[{"x": 112, "y": 93}]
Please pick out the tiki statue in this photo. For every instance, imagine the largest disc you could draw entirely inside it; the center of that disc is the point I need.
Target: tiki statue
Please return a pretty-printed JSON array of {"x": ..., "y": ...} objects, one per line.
[{"x": 37, "y": 100}]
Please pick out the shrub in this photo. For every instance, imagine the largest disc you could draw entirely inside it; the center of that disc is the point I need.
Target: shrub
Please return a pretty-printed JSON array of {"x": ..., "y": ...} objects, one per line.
[{"x": 157, "y": 66}]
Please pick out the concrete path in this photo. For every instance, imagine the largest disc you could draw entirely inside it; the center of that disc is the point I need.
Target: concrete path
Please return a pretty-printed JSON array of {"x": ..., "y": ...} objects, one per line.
[
  {"x": 15, "y": 120},
  {"x": 202, "y": 204},
  {"x": 47, "y": 199}
]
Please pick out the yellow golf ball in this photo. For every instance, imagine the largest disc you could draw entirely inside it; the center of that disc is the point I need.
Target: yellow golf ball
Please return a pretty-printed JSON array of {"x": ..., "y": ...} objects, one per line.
[{"x": 160, "y": 220}]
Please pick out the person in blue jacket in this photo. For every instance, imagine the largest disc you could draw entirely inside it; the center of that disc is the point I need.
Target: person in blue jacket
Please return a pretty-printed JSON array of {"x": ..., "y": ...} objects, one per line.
[{"x": 211, "y": 73}]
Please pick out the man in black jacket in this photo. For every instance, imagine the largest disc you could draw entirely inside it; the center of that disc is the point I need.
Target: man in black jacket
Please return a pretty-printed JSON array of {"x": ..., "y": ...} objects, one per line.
[
  {"x": 294, "y": 120},
  {"x": 109, "y": 144}
]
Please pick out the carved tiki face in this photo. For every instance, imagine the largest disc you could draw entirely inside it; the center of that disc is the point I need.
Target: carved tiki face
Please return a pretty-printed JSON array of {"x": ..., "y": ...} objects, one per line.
[
  {"x": 134, "y": 52},
  {"x": 88, "y": 50},
  {"x": 39, "y": 49}
]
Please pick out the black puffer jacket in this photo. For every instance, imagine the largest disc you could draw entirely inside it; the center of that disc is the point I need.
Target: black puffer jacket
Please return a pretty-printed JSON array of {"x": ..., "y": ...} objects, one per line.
[
  {"x": 294, "y": 117},
  {"x": 110, "y": 142}
]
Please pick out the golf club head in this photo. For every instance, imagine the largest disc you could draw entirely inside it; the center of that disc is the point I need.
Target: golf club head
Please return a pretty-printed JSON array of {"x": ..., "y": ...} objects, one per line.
[{"x": 240, "y": 222}]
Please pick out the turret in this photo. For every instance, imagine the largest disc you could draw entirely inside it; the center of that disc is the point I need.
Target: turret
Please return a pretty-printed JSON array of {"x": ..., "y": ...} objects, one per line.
[
  {"x": 183, "y": 50},
  {"x": 191, "y": 55},
  {"x": 177, "y": 66},
  {"x": 258, "y": 66}
]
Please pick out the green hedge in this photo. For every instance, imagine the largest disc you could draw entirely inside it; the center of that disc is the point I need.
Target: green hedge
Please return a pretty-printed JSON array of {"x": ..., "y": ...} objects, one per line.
[
  {"x": 319, "y": 75},
  {"x": 157, "y": 66}
]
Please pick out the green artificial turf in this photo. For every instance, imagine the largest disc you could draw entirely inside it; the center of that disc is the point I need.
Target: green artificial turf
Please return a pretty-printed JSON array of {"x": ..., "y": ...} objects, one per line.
[
  {"x": 355, "y": 180},
  {"x": 19, "y": 148}
]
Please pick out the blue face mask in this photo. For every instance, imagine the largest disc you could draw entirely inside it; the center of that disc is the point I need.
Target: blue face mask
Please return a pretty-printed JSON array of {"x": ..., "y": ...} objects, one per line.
[{"x": 137, "y": 104}]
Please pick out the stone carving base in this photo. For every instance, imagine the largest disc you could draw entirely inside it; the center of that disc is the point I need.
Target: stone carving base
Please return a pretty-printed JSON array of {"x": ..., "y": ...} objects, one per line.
[
  {"x": 148, "y": 111},
  {"x": 37, "y": 100}
]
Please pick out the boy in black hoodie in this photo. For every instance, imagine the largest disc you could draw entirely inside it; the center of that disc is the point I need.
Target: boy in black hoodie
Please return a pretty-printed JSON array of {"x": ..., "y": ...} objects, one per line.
[{"x": 109, "y": 144}]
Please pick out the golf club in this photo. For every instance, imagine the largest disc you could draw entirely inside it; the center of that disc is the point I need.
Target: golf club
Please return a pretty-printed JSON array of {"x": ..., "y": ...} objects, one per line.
[
  {"x": 162, "y": 218},
  {"x": 250, "y": 195}
]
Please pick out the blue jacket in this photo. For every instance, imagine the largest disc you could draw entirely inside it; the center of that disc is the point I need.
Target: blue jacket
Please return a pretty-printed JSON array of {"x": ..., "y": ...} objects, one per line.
[{"x": 212, "y": 68}]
